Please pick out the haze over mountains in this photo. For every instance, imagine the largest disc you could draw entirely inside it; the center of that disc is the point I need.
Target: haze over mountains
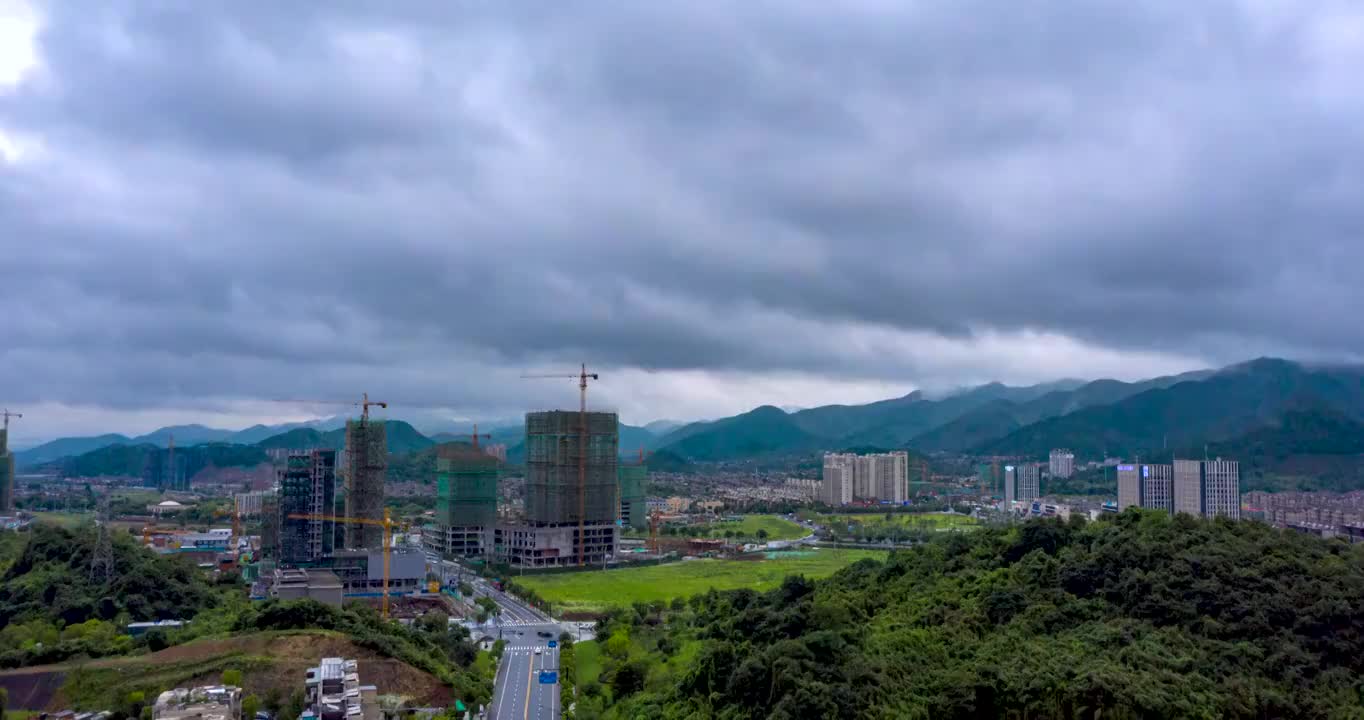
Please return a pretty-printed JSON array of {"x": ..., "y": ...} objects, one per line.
[{"x": 1265, "y": 403}]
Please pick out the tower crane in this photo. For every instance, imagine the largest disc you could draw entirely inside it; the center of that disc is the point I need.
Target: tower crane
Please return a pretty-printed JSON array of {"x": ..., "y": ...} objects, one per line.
[
  {"x": 7, "y": 415},
  {"x": 364, "y": 404},
  {"x": 474, "y": 436},
  {"x": 582, "y": 377},
  {"x": 387, "y": 524}
]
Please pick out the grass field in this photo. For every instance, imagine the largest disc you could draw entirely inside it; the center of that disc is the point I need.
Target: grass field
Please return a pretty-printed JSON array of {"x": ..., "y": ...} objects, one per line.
[
  {"x": 65, "y": 519},
  {"x": 598, "y": 590},
  {"x": 937, "y": 521},
  {"x": 588, "y": 657},
  {"x": 778, "y": 528}
]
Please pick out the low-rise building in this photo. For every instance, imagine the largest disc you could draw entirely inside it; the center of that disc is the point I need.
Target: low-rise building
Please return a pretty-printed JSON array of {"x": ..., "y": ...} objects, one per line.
[
  {"x": 210, "y": 702},
  {"x": 332, "y": 691}
]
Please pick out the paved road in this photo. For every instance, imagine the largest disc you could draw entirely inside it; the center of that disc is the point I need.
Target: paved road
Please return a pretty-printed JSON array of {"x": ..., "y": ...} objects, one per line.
[{"x": 518, "y": 693}]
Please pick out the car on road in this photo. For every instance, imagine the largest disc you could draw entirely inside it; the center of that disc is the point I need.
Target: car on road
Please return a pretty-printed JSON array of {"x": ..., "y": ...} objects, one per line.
[
  {"x": 539, "y": 651},
  {"x": 545, "y": 634}
]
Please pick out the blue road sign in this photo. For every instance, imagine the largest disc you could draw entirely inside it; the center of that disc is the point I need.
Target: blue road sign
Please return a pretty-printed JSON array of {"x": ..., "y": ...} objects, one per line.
[
  {"x": 553, "y": 643},
  {"x": 549, "y": 677}
]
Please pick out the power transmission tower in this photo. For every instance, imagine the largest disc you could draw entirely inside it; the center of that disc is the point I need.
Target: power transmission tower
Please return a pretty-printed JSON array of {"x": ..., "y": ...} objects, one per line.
[{"x": 102, "y": 561}]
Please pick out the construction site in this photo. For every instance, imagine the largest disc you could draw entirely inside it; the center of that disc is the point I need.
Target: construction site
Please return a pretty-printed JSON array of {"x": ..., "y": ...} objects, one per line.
[
  {"x": 466, "y": 500},
  {"x": 6, "y": 467},
  {"x": 366, "y": 470}
]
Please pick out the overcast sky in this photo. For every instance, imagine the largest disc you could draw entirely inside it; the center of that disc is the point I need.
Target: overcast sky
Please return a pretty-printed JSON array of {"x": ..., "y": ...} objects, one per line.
[{"x": 204, "y": 206}]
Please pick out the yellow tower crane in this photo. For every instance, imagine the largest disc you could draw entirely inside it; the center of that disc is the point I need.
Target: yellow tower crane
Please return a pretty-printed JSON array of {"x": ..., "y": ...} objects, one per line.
[{"x": 387, "y": 524}]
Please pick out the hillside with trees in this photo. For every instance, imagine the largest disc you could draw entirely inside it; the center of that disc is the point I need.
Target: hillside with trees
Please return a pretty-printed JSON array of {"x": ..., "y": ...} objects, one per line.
[{"x": 1143, "y": 616}]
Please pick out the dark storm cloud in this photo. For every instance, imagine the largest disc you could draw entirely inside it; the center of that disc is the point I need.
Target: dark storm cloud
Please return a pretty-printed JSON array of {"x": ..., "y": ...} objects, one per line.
[{"x": 265, "y": 199}]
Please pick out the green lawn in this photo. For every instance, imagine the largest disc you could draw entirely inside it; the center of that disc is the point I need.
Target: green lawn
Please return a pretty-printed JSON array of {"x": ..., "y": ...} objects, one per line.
[
  {"x": 778, "y": 528},
  {"x": 937, "y": 521},
  {"x": 588, "y": 657},
  {"x": 64, "y": 519},
  {"x": 592, "y": 591}
]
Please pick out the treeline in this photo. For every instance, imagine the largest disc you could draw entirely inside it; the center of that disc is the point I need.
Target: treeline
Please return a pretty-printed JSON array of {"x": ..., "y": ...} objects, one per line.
[{"x": 1143, "y": 616}]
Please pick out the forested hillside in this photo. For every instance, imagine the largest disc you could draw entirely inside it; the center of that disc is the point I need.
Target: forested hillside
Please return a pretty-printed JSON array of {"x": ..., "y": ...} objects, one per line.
[{"x": 1144, "y": 616}]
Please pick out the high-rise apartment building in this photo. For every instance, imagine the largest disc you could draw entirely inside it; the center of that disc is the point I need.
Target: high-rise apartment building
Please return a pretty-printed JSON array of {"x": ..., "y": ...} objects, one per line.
[
  {"x": 466, "y": 501},
  {"x": 1029, "y": 485},
  {"x": 366, "y": 470},
  {"x": 307, "y": 486},
  {"x": 1188, "y": 486},
  {"x": 1061, "y": 464},
  {"x": 1157, "y": 487},
  {"x": 6, "y": 473},
  {"x": 571, "y": 491},
  {"x": 874, "y": 477},
  {"x": 1148, "y": 486},
  {"x": 1210, "y": 488},
  {"x": 1222, "y": 488},
  {"x": 1010, "y": 483},
  {"x": 836, "y": 483},
  {"x": 631, "y": 481}
]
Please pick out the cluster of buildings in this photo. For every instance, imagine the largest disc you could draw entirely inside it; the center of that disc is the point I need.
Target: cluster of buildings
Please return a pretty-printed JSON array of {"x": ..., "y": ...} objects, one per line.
[
  {"x": 209, "y": 702},
  {"x": 577, "y": 495},
  {"x": 331, "y": 691},
  {"x": 1207, "y": 488},
  {"x": 1316, "y": 513},
  {"x": 875, "y": 477},
  {"x": 1061, "y": 463}
]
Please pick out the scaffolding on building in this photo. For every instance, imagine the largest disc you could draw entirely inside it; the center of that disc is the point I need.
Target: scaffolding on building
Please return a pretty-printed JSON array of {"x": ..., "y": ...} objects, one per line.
[
  {"x": 366, "y": 470},
  {"x": 555, "y": 454},
  {"x": 633, "y": 510}
]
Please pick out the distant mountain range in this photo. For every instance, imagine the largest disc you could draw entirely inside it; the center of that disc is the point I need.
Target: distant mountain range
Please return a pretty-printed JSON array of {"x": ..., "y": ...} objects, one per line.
[
  {"x": 1092, "y": 418},
  {"x": 1274, "y": 412}
]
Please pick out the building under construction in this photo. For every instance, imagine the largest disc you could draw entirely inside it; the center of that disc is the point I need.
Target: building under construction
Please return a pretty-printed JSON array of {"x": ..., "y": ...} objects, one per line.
[
  {"x": 6, "y": 473},
  {"x": 307, "y": 486},
  {"x": 633, "y": 510},
  {"x": 571, "y": 486},
  {"x": 466, "y": 500},
  {"x": 366, "y": 469}
]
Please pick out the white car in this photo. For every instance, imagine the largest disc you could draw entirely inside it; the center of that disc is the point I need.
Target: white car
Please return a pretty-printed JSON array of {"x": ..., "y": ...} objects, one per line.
[{"x": 539, "y": 651}]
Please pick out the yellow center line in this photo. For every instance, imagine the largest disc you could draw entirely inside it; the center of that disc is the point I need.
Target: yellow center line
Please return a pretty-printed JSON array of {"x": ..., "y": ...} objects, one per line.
[{"x": 530, "y": 672}]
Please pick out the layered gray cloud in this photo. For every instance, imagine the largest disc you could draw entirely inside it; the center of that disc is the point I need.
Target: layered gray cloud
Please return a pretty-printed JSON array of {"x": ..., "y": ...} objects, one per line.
[{"x": 250, "y": 200}]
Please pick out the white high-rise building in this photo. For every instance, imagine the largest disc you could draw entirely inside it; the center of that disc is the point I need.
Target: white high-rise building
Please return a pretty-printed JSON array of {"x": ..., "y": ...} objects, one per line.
[
  {"x": 1029, "y": 481},
  {"x": 836, "y": 483},
  {"x": 1148, "y": 486},
  {"x": 1222, "y": 488},
  {"x": 875, "y": 477},
  {"x": 1061, "y": 464},
  {"x": 1010, "y": 484}
]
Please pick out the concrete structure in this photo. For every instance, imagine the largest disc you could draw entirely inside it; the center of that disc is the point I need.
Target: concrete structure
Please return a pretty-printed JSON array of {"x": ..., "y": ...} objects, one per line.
[
  {"x": 361, "y": 572},
  {"x": 250, "y": 504},
  {"x": 1188, "y": 486},
  {"x": 1010, "y": 485},
  {"x": 1222, "y": 488},
  {"x": 466, "y": 501},
  {"x": 874, "y": 477},
  {"x": 210, "y": 702},
  {"x": 1029, "y": 482},
  {"x": 571, "y": 482},
  {"x": 1148, "y": 486},
  {"x": 1210, "y": 488},
  {"x": 332, "y": 691},
  {"x": 836, "y": 484},
  {"x": 297, "y": 583},
  {"x": 1129, "y": 486},
  {"x": 497, "y": 450},
  {"x": 632, "y": 480},
  {"x": 555, "y": 456},
  {"x": 538, "y": 546},
  {"x": 1061, "y": 463},
  {"x": 366, "y": 470},
  {"x": 6, "y": 474},
  {"x": 307, "y": 486}
]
